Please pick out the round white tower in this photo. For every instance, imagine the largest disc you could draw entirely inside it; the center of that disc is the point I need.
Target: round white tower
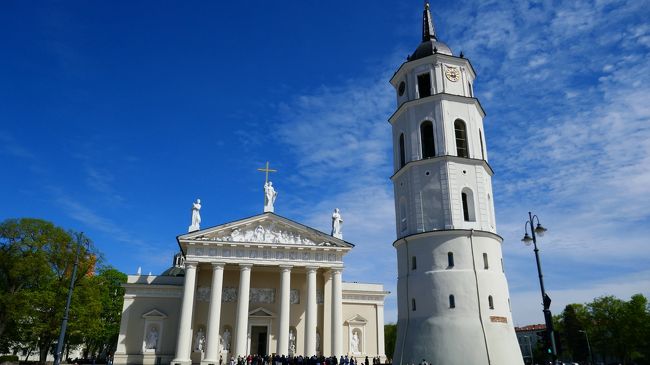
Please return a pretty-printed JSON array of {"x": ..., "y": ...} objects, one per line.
[{"x": 453, "y": 300}]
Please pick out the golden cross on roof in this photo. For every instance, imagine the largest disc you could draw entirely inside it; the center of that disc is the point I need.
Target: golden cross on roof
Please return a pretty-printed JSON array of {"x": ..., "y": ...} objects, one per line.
[{"x": 267, "y": 170}]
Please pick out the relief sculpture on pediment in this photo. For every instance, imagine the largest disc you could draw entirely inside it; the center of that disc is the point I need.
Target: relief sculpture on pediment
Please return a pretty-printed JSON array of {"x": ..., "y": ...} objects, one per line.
[{"x": 266, "y": 234}]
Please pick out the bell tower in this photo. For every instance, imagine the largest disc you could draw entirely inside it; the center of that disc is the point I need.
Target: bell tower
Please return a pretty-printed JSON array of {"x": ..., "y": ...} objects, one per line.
[{"x": 453, "y": 300}]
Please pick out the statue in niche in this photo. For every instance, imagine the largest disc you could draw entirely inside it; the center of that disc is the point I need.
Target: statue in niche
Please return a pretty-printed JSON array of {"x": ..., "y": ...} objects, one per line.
[
  {"x": 196, "y": 216},
  {"x": 354, "y": 343},
  {"x": 337, "y": 224},
  {"x": 292, "y": 342},
  {"x": 225, "y": 340},
  {"x": 152, "y": 339},
  {"x": 269, "y": 197},
  {"x": 199, "y": 341}
]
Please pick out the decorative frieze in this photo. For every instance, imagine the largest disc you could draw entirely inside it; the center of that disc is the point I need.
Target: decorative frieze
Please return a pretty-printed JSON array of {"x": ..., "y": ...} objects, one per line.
[
  {"x": 229, "y": 295},
  {"x": 266, "y": 254}
]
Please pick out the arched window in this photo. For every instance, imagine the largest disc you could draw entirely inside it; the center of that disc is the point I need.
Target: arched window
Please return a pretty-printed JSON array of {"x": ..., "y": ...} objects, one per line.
[
  {"x": 491, "y": 302},
  {"x": 413, "y": 304},
  {"x": 450, "y": 259},
  {"x": 486, "y": 265},
  {"x": 467, "y": 197},
  {"x": 414, "y": 264},
  {"x": 452, "y": 301},
  {"x": 469, "y": 89},
  {"x": 480, "y": 137},
  {"x": 426, "y": 136},
  {"x": 461, "y": 138},
  {"x": 402, "y": 153}
]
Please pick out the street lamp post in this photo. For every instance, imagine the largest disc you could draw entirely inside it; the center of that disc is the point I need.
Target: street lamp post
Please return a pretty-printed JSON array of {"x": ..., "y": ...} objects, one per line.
[
  {"x": 64, "y": 323},
  {"x": 546, "y": 300},
  {"x": 591, "y": 356}
]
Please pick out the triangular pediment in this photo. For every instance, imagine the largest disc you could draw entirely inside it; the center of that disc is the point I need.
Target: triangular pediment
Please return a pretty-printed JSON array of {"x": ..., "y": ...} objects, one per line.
[
  {"x": 267, "y": 228},
  {"x": 261, "y": 312},
  {"x": 357, "y": 319},
  {"x": 155, "y": 314}
]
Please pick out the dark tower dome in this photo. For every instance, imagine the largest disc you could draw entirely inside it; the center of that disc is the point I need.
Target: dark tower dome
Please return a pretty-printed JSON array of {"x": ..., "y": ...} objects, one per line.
[
  {"x": 430, "y": 43},
  {"x": 177, "y": 268}
]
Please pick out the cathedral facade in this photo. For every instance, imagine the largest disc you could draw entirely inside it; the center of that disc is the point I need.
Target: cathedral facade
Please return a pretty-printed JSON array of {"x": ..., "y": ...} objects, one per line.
[{"x": 261, "y": 285}]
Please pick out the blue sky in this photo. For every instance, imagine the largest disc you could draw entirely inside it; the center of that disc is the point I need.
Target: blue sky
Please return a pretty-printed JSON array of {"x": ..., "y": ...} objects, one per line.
[{"x": 115, "y": 116}]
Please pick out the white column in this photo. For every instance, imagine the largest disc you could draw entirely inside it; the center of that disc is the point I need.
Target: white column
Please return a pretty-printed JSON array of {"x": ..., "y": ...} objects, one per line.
[
  {"x": 121, "y": 340},
  {"x": 380, "y": 331},
  {"x": 327, "y": 313},
  {"x": 214, "y": 314},
  {"x": 185, "y": 325},
  {"x": 310, "y": 315},
  {"x": 285, "y": 304},
  {"x": 241, "y": 324},
  {"x": 337, "y": 312}
]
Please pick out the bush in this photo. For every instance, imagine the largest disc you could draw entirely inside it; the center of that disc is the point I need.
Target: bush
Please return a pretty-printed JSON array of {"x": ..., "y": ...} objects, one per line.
[{"x": 8, "y": 358}]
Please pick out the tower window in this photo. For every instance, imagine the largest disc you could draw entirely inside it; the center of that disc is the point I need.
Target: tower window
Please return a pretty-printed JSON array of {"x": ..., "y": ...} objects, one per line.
[
  {"x": 424, "y": 85},
  {"x": 460, "y": 131},
  {"x": 401, "y": 88},
  {"x": 414, "y": 264},
  {"x": 480, "y": 137},
  {"x": 467, "y": 198},
  {"x": 502, "y": 268},
  {"x": 486, "y": 265},
  {"x": 426, "y": 136},
  {"x": 413, "y": 304},
  {"x": 491, "y": 302},
  {"x": 452, "y": 301},
  {"x": 465, "y": 208},
  {"x": 469, "y": 89},
  {"x": 450, "y": 259},
  {"x": 402, "y": 153}
]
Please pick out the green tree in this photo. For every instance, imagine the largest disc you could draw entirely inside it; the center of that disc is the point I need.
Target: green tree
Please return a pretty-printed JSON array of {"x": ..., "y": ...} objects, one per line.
[
  {"x": 390, "y": 336},
  {"x": 36, "y": 260},
  {"x": 574, "y": 322},
  {"x": 101, "y": 337}
]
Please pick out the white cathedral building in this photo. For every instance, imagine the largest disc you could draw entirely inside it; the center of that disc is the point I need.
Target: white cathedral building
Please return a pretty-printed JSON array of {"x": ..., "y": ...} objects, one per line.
[
  {"x": 266, "y": 284},
  {"x": 453, "y": 300},
  {"x": 260, "y": 285}
]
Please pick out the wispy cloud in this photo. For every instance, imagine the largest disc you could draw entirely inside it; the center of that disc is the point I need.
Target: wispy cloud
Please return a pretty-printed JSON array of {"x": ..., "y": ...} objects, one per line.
[{"x": 568, "y": 133}]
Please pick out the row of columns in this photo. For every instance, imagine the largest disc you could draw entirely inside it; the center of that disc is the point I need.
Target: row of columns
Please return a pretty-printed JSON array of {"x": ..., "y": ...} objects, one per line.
[{"x": 183, "y": 345}]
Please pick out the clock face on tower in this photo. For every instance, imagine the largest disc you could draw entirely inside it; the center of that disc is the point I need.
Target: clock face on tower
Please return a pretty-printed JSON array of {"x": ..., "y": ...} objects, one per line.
[{"x": 452, "y": 74}]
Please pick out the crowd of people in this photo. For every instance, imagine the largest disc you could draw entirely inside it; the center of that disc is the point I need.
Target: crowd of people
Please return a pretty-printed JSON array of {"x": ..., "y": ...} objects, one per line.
[{"x": 298, "y": 360}]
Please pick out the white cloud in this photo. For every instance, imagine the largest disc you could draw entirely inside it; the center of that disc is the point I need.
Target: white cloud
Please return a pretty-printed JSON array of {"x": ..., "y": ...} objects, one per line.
[{"x": 568, "y": 133}]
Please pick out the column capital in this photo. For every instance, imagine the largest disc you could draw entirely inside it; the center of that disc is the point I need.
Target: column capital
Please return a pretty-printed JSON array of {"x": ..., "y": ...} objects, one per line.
[
  {"x": 191, "y": 264},
  {"x": 311, "y": 269},
  {"x": 218, "y": 265},
  {"x": 286, "y": 268},
  {"x": 244, "y": 267}
]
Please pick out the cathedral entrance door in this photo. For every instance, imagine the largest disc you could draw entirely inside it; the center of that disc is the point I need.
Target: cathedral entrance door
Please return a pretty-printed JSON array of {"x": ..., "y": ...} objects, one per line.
[{"x": 259, "y": 336}]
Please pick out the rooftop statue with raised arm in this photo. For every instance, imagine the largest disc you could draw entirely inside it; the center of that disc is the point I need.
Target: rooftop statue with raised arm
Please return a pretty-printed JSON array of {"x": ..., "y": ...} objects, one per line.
[{"x": 196, "y": 216}]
